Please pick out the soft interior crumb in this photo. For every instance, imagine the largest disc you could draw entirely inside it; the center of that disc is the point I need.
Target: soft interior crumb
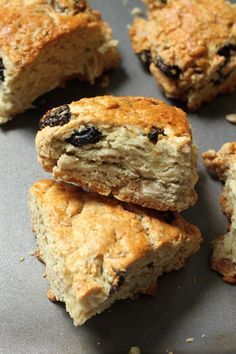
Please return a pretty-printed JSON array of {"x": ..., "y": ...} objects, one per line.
[
  {"x": 136, "y": 11},
  {"x": 190, "y": 340},
  {"x": 231, "y": 118},
  {"x": 135, "y": 350}
]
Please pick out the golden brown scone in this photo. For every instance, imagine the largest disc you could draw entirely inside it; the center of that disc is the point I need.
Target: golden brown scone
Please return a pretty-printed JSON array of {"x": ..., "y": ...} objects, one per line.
[
  {"x": 44, "y": 43},
  {"x": 136, "y": 149},
  {"x": 98, "y": 250},
  {"x": 189, "y": 46},
  {"x": 223, "y": 163}
]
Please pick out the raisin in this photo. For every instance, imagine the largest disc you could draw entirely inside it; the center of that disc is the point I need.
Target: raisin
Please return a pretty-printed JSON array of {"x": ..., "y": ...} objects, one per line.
[
  {"x": 168, "y": 216},
  {"x": 145, "y": 57},
  {"x": 74, "y": 6},
  {"x": 2, "y": 68},
  {"x": 57, "y": 116},
  {"x": 154, "y": 133},
  {"x": 90, "y": 135},
  {"x": 225, "y": 51},
  {"x": 171, "y": 71},
  {"x": 164, "y": 1},
  {"x": 118, "y": 282}
]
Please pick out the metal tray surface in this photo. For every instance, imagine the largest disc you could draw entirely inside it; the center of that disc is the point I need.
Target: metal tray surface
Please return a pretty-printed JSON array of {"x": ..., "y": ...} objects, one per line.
[{"x": 204, "y": 310}]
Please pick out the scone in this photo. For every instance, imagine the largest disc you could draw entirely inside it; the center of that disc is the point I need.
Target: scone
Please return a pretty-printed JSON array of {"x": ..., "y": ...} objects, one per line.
[
  {"x": 46, "y": 42},
  {"x": 97, "y": 250},
  {"x": 223, "y": 163},
  {"x": 189, "y": 46},
  {"x": 137, "y": 149}
]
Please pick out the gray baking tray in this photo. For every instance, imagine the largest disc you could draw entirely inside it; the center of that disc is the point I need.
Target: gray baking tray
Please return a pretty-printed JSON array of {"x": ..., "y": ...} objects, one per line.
[{"x": 204, "y": 310}]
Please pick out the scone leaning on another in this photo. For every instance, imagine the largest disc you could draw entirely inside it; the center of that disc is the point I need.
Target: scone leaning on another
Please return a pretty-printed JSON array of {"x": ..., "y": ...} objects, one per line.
[
  {"x": 43, "y": 44},
  {"x": 98, "y": 250},
  {"x": 223, "y": 163},
  {"x": 189, "y": 46},
  {"x": 139, "y": 150}
]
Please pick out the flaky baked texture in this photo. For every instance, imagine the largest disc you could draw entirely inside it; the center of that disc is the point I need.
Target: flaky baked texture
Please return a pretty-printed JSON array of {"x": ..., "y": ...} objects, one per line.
[
  {"x": 44, "y": 43},
  {"x": 136, "y": 149},
  {"x": 98, "y": 250},
  {"x": 223, "y": 163},
  {"x": 189, "y": 46}
]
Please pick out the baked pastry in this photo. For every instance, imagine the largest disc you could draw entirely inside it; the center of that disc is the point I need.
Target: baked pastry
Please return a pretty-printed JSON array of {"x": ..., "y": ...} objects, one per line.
[
  {"x": 189, "y": 46},
  {"x": 97, "y": 250},
  {"x": 136, "y": 149},
  {"x": 223, "y": 163},
  {"x": 46, "y": 42}
]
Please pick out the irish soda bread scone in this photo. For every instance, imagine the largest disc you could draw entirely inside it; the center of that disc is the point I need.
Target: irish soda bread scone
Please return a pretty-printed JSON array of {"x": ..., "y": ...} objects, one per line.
[
  {"x": 97, "y": 250},
  {"x": 46, "y": 42},
  {"x": 189, "y": 46},
  {"x": 137, "y": 149},
  {"x": 223, "y": 163}
]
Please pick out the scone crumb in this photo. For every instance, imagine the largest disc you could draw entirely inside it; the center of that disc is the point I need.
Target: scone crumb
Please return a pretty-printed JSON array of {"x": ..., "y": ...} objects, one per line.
[
  {"x": 190, "y": 340},
  {"x": 136, "y": 11},
  {"x": 22, "y": 259},
  {"x": 135, "y": 350},
  {"x": 203, "y": 335},
  {"x": 231, "y": 118},
  {"x": 51, "y": 296},
  {"x": 98, "y": 343},
  {"x": 104, "y": 81},
  {"x": 32, "y": 253}
]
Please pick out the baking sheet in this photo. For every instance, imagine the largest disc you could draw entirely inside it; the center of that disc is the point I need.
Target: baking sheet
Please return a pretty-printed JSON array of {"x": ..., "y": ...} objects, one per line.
[{"x": 204, "y": 310}]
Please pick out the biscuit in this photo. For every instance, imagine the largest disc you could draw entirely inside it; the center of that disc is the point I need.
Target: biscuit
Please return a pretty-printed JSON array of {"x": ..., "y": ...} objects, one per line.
[
  {"x": 98, "y": 250},
  {"x": 46, "y": 42},
  {"x": 223, "y": 163},
  {"x": 189, "y": 47},
  {"x": 137, "y": 149}
]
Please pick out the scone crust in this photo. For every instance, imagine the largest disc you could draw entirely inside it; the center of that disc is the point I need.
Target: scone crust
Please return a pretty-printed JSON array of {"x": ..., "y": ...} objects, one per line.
[
  {"x": 40, "y": 23},
  {"x": 187, "y": 37},
  {"x": 96, "y": 241},
  {"x": 223, "y": 163}
]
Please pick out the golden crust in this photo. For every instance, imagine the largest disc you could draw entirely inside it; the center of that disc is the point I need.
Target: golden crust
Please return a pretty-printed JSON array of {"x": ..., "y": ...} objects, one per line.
[
  {"x": 97, "y": 238},
  {"x": 141, "y": 112},
  {"x": 28, "y": 26},
  {"x": 188, "y": 35}
]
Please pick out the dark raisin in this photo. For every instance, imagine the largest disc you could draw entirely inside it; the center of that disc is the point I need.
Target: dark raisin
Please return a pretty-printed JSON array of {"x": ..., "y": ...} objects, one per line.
[
  {"x": 164, "y": 1},
  {"x": 2, "y": 68},
  {"x": 225, "y": 51},
  {"x": 171, "y": 71},
  {"x": 145, "y": 57},
  {"x": 168, "y": 216},
  {"x": 118, "y": 281},
  {"x": 74, "y": 6},
  {"x": 150, "y": 265},
  {"x": 154, "y": 133},
  {"x": 90, "y": 135},
  {"x": 57, "y": 116}
]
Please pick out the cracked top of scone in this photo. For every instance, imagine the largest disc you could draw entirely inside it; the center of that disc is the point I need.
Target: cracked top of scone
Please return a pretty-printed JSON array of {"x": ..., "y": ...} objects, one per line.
[
  {"x": 95, "y": 231},
  {"x": 144, "y": 113},
  {"x": 197, "y": 36},
  {"x": 26, "y": 26}
]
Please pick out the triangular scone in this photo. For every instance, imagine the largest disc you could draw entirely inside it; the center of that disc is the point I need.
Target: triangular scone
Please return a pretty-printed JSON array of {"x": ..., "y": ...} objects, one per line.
[
  {"x": 46, "y": 42},
  {"x": 137, "y": 149},
  {"x": 223, "y": 163},
  {"x": 98, "y": 250}
]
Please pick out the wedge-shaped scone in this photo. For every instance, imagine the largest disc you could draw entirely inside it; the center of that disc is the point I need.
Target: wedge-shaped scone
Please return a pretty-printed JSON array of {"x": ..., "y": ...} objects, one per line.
[
  {"x": 223, "y": 163},
  {"x": 98, "y": 250},
  {"x": 189, "y": 46},
  {"x": 137, "y": 149},
  {"x": 43, "y": 43}
]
